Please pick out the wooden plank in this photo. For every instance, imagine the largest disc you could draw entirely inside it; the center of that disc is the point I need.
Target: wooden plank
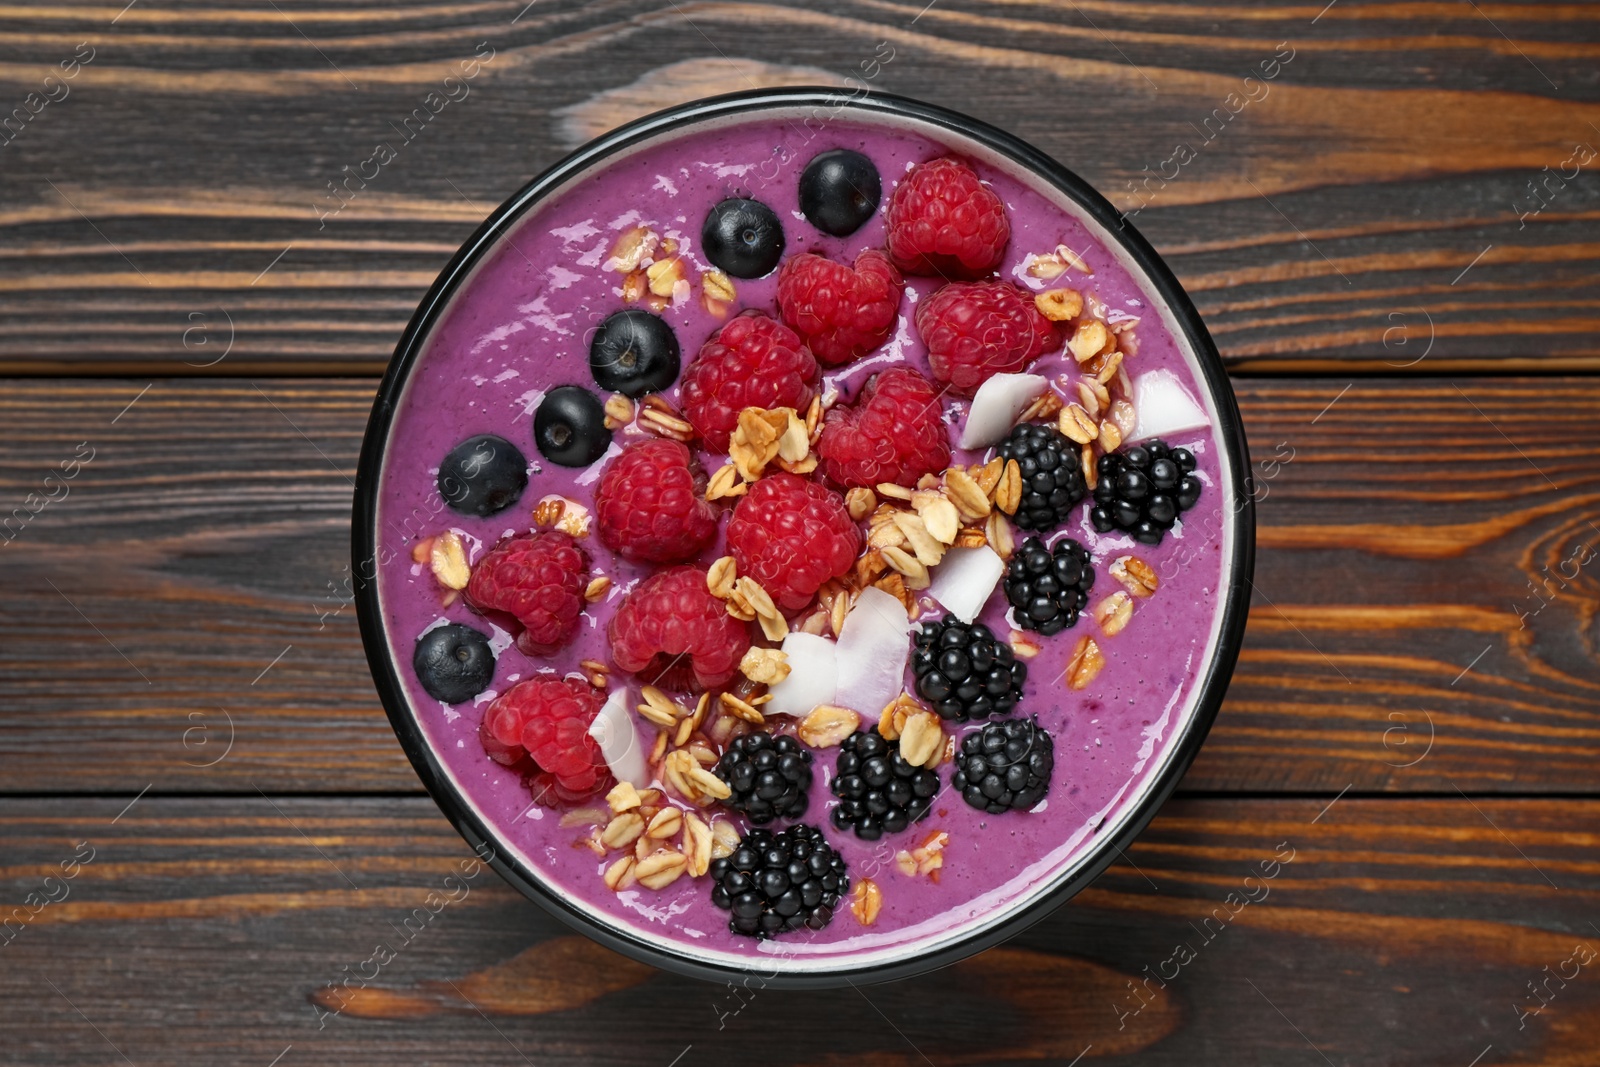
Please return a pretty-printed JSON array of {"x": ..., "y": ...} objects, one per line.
[
  {"x": 194, "y": 577},
  {"x": 217, "y": 930},
  {"x": 1396, "y": 188}
]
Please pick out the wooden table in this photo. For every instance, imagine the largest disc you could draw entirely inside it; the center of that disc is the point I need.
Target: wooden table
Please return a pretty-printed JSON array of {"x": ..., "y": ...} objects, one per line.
[{"x": 1381, "y": 239}]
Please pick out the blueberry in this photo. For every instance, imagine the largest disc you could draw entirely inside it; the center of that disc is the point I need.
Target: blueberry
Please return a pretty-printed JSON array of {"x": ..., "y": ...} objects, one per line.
[
  {"x": 483, "y": 475},
  {"x": 454, "y": 663},
  {"x": 570, "y": 427},
  {"x": 839, "y": 191},
  {"x": 634, "y": 353},
  {"x": 743, "y": 237}
]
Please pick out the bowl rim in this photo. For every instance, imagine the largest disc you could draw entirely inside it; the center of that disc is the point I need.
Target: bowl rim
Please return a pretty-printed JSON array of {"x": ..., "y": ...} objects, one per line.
[{"x": 364, "y": 554}]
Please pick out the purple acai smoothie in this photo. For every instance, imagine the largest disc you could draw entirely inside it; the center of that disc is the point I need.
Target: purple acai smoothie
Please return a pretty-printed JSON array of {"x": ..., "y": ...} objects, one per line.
[{"x": 522, "y": 323}]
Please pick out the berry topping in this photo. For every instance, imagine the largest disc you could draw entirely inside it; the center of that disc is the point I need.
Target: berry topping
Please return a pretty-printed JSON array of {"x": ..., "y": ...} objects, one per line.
[
  {"x": 671, "y": 632},
  {"x": 842, "y": 312},
  {"x": 546, "y": 720},
  {"x": 570, "y": 427},
  {"x": 974, "y": 330},
  {"x": 963, "y": 672},
  {"x": 1143, "y": 489},
  {"x": 538, "y": 579},
  {"x": 1049, "y": 586},
  {"x": 944, "y": 221},
  {"x": 753, "y": 361},
  {"x": 778, "y": 882},
  {"x": 634, "y": 353},
  {"x": 839, "y": 191},
  {"x": 1005, "y": 766},
  {"x": 1052, "y": 475},
  {"x": 878, "y": 791},
  {"x": 769, "y": 777},
  {"x": 483, "y": 475},
  {"x": 893, "y": 433},
  {"x": 791, "y": 535},
  {"x": 650, "y": 505},
  {"x": 453, "y": 662},
  {"x": 743, "y": 237}
]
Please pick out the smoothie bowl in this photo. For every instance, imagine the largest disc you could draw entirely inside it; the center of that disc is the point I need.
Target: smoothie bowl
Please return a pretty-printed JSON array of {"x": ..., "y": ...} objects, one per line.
[{"x": 803, "y": 535}]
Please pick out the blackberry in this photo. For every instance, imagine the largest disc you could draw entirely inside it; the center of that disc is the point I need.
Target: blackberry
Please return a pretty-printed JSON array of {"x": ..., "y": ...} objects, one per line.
[
  {"x": 1052, "y": 475},
  {"x": 1049, "y": 586},
  {"x": 1143, "y": 489},
  {"x": 1005, "y": 766},
  {"x": 778, "y": 882},
  {"x": 964, "y": 672},
  {"x": 769, "y": 776},
  {"x": 878, "y": 791}
]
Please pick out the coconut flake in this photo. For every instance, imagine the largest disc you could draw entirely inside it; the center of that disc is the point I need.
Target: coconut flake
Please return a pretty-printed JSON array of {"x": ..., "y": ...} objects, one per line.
[
  {"x": 1163, "y": 406},
  {"x": 873, "y": 645},
  {"x": 812, "y": 677},
  {"x": 964, "y": 579},
  {"x": 996, "y": 405},
  {"x": 613, "y": 729}
]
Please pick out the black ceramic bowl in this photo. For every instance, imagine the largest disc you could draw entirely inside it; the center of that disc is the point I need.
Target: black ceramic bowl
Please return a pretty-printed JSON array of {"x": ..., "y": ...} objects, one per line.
[{"x": 975, "y": 139}]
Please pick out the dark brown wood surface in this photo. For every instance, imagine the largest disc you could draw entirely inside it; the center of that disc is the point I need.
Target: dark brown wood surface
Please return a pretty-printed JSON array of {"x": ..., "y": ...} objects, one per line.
[
  {"x": 1405, "y": 183},
  {"x": 228, "y": 931},
  {"x": 1394, "y": 244},
  {"x": 1413, "y": 627}
]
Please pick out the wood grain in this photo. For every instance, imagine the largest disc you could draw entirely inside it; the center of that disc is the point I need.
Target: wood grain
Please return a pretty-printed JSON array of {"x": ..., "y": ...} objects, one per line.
[
  {"x": 191, "y": 587},
  {"x": 1370, "y": 203},
  {"x": 225, "y": 930},
  {"x": 1396, "y": 206}
]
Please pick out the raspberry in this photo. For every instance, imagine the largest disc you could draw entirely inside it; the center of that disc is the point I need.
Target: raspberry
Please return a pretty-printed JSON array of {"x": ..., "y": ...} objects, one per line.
[
  {"x": 977, "y": 329},
  {"x": 671, "y": 632},
  {"x": 842, "y": 312},
  {"x": 650, "y": 505},
  {"x": 753, "y": 361},
  {"x": 791, "y": 535},
  {"x": 538, "y": 579},
  {"x": 893, "y": 433},
  {"x": 943, "y": 220},
  {"x": 545, "y": 721}
]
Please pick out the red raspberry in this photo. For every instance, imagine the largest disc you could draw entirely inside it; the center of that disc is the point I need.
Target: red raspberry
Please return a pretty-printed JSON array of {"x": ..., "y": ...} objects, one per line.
[
  {"x": 546, "y": 719},
  {"x": 670, "y": 631},
  {"x": 842, "y": 312},
  {"x": 791, "y": 535},
  {"x": 538, "y": 579},
  {"x": 943, "y": 220},
  {"x": 753, "y": 361},
  {"x": 977, "y": 329},
  {"x": 650, "y": 506},
  {"x": 893, "y": 433}
]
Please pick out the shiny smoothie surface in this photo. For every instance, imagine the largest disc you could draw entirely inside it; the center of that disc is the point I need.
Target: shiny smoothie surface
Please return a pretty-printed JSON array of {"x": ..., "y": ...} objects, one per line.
[{"x": 520, "y": 325}]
